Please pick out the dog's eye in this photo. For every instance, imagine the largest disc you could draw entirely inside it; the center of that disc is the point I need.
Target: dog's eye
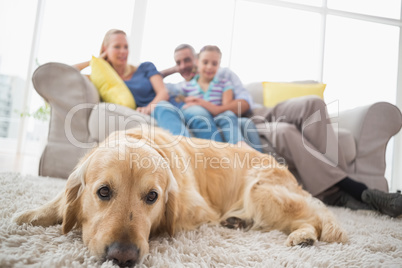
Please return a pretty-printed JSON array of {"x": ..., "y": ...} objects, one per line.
[
  {"x": 104, "y": 193},
  {"x": 151, "y": 197}
]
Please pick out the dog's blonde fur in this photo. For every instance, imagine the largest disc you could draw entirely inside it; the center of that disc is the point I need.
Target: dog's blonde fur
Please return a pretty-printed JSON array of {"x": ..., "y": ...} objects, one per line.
[{"x": 194, "y": 186}]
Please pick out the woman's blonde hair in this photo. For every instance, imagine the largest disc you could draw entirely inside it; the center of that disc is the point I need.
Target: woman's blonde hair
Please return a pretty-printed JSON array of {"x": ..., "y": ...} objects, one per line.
[{"x": 106, "y": 42}]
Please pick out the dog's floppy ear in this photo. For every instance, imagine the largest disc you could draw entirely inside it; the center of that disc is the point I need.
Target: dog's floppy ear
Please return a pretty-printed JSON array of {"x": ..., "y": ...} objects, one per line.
[
  {"x": 171, "y": 195},
  {"x": 75, "y": 186},
  {"x": 171, "y": 200},
  {"x": 171, "y": 213}
]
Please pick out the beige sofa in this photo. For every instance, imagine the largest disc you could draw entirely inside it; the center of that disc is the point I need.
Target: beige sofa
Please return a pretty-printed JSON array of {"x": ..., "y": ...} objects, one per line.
[{"x": 79, "y": 121}]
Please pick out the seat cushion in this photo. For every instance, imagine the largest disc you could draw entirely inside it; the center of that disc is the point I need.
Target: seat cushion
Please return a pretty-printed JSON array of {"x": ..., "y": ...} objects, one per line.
[{"x": 106, "y": 118}]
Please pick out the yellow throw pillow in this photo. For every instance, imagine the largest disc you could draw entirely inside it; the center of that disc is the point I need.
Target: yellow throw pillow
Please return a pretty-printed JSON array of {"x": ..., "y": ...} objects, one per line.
[
  {"x": 109, "y": 84},
  {"x": 274, "y": 93}
]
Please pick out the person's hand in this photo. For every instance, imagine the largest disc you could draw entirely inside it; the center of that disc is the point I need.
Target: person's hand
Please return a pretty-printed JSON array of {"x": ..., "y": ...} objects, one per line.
[
  {"x": 212, "y": 108},
  {"x": 144, "y": 110},
  {"x": 191, "y": 101}
]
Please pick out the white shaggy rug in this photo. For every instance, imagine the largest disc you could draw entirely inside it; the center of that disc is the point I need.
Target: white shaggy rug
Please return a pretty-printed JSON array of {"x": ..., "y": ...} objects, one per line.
[{"x": 375, "y": 241}]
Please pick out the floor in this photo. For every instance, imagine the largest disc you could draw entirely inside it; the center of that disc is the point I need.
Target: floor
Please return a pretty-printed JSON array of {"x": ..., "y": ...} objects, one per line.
[{"x": 21, "y": 163}]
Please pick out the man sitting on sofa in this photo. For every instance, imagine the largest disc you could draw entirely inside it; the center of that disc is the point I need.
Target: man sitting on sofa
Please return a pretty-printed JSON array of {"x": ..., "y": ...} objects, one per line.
[{"x": 323, "y": 174}]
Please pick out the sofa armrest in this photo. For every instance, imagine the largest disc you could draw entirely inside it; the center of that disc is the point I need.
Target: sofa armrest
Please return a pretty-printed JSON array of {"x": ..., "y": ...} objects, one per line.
[
  {"x": 70, "y": 96},
  {"x": 64, "y": 88},
  {"x": 370, "y": 122},
  {"x": 371, "y": 126}
]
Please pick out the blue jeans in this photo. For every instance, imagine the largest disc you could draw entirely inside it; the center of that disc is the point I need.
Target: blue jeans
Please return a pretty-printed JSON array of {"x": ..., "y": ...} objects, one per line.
[
  {"x": 201, "y": 123},
  {"x": 170, "y": 118},
  {"x": 235, "y": 129},
  {"x": 250, "y": 134},
  {"x": 204, "y": 125},
  {"x": 228, "y": 122}
]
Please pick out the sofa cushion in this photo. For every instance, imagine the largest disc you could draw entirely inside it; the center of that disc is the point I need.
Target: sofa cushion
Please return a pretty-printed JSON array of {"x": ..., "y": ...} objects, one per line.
[
  {"x": 255, "y": 90},
  {"x": 274, "y": 93},
  {"x": 111, "y": 87},
  {"x": 108, "y": 117}
]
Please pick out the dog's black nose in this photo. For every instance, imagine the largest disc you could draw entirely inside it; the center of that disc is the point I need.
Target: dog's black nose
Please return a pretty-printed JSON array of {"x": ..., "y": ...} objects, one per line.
[{"x": 124, "y": 255}]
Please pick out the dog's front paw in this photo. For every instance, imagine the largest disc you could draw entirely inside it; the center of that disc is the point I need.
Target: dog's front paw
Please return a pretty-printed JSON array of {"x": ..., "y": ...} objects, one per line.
[
  {"x": 25, "y": 217},
  {"x": 36, "y": 218},
  {"x": 302, "y": 238}
]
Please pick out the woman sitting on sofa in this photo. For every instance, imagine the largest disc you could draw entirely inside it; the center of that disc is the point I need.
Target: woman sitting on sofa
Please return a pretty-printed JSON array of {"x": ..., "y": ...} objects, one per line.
[{"x": 144, "y": 81}]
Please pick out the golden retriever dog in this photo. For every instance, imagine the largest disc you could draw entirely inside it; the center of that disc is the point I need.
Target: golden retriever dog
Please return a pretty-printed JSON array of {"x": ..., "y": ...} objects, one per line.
[{"x": 144, "y": 182}]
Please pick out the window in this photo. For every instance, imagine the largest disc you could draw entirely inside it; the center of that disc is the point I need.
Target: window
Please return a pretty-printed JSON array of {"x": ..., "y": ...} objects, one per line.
[
  {"x": 360, "y": 57},
  {"x": 380, "y": 8},
  {"x": 16, "y": 31},
  {"x": 73, "y": 30},
  {"x": 171, "y": 23},
  {"x": 306, "y": 2},
  {"x": 275, "y": 44}
]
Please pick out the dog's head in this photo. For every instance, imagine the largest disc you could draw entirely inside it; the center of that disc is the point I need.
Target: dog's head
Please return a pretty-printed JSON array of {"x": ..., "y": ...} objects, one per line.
[{"x": 119, "y": 196}]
